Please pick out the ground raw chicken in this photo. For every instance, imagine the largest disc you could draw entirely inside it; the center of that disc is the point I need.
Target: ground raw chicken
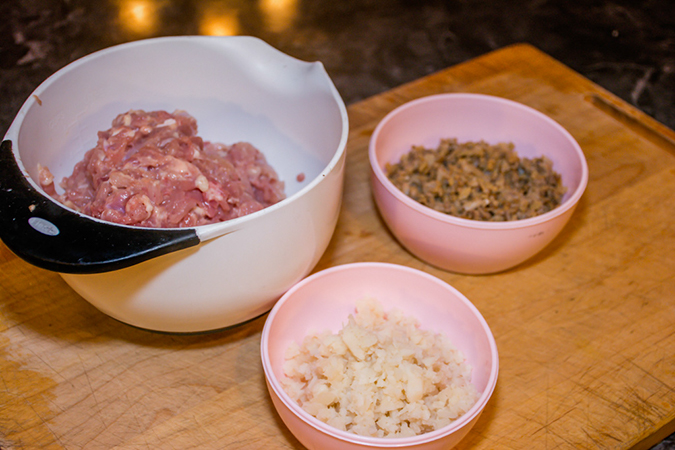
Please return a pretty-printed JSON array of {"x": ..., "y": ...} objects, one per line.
[
  {"x": 151, "y": 169},
  {"x": 478, "y": 181},
  {"x": 381, "y": 375}
]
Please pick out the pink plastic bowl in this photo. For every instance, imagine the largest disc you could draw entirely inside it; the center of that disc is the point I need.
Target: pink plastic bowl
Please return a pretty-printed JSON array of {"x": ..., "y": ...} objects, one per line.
[
  {"x": 324, "y": 300},
  {"x": 462, "y": 245}
]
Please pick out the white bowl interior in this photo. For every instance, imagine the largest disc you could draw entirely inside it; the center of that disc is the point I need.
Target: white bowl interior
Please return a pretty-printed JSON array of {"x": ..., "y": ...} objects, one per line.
[
  {"x": 324, "y": 301},
  {"x": 238, "y": 89}
]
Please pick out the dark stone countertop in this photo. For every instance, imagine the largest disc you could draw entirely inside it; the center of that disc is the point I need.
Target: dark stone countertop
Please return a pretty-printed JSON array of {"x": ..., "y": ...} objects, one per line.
[{"x": 367, "y": 46}]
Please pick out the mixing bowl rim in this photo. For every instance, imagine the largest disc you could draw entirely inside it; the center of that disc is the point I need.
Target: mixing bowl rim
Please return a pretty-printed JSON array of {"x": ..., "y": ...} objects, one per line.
[
  {"x": 378, "y": 173},
  {"x": 274, "y": 383}
]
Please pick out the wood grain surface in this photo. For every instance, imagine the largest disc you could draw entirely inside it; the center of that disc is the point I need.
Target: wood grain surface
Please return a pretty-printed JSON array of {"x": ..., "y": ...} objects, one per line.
[{"x": 585, "y": 329}]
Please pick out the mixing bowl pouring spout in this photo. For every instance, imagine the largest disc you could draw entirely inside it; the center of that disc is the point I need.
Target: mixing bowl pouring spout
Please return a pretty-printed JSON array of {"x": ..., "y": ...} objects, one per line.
[{"x": 52, "y": 237}]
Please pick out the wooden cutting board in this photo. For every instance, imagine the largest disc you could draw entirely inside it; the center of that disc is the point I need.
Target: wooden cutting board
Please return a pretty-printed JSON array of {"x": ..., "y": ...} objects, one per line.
[{"x": 585, "y": 330}]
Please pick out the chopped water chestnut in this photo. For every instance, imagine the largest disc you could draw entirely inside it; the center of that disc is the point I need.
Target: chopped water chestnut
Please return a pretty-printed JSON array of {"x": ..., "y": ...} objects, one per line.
[{"x": 381, "y": 375}]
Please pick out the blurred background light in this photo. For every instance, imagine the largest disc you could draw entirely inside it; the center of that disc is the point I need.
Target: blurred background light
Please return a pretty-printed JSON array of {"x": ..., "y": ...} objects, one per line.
[
  {"x": 278, "y": 15},
  {"x": 139, "y": 17},
  {"x": 217, "y": 18}
]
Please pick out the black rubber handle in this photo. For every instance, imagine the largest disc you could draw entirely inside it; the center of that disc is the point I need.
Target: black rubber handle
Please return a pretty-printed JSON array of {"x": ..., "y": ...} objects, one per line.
[{"x": 52, "y": 237}]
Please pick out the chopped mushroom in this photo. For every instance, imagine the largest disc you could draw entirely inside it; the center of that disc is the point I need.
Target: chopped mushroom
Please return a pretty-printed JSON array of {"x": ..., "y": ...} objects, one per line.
[{"x": 478, "y": 181}]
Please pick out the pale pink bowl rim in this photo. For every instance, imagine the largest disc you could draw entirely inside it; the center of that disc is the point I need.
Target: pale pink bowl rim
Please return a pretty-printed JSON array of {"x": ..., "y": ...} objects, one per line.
[
  {"x": 464, "y": 420},
  {"x": 377, "y": 170}
]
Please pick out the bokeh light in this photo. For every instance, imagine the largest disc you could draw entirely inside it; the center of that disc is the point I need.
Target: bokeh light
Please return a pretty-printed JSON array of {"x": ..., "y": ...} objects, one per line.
[
  {"x": 278, "y": 15},
  {"x": 218, "y": 19},
  {"x": 139, "y": 17}
]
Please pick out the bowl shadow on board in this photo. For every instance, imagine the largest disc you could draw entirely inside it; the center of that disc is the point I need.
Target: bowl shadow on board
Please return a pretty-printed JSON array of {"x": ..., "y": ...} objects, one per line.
[
  {"x": 68, "y": 317},
  {"x": 577, "y": 219},
  {"x": 480, "y": 433},
  {"x": 278, "y": 422}
]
